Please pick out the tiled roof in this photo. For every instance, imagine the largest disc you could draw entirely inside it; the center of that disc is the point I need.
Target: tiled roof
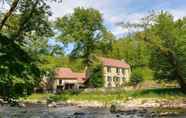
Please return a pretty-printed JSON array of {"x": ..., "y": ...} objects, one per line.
[
  {"x": 66, "y": 73},
  {"x": 114, "y": 63}
]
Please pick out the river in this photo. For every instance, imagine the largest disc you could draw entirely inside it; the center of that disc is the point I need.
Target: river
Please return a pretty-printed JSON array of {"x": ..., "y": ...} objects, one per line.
[{"x": 61, "y": 111}]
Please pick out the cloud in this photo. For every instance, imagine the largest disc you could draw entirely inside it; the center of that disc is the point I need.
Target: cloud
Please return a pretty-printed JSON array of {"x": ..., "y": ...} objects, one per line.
[
  {"x": 108, "y": 8},
  {"x": 178, "y": 13},
  {"x": 4, "y": 6},
  {"x": 67, "y": 6},
  {"x": 115, "y": 11}
]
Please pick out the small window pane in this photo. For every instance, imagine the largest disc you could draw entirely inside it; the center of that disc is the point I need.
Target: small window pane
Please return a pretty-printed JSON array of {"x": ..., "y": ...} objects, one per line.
[
  {"x": 60, "y": 81},
  {"x": 123, "y": 71},
  {"x": 117, "y": 70},
  {"x": 108, "y": 69},
  {"x": 109, "y": 78}
]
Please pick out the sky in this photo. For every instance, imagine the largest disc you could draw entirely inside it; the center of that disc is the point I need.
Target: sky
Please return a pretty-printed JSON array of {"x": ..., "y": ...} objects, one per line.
[{"x": 115, "y": 11}]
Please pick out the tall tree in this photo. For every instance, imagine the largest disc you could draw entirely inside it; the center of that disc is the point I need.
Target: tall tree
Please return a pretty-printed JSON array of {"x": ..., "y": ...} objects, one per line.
[
  {"x": 84, "y": 28},
  {"x": 25, "y": 21},
  {"x": 167, "y": 38},
  {"x": 132, "y": 50}
]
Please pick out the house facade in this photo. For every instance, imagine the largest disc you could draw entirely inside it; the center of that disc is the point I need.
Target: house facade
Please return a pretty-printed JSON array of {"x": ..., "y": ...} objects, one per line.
[
  {"x": 115, "y": 72},
  {"x": 65, "y": 78}
]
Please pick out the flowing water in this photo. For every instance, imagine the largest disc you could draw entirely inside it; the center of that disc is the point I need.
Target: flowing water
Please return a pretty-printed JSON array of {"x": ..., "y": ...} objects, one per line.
[{"x": 42, "y": 111}]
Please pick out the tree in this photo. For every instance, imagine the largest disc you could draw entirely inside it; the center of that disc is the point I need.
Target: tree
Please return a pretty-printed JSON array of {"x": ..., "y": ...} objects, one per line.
[
  {"x": 136, "y": 77},
  {"x": 25, "y": 21},
  {"x": 84, "y": 28},
  {"x": 96, "y": 76},
  {"x": 133, "y": 50},
  {"x": 167, "y": 38}
]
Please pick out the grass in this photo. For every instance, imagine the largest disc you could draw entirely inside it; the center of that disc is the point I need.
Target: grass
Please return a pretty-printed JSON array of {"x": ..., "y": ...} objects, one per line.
[
  {"x": 37, "y": 97},
  {"x": 110, "y": 96}
]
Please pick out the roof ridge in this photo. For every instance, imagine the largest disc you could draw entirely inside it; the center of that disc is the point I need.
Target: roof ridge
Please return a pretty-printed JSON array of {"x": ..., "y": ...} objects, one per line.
[
  {"x": 111, "y": 58},
  {"x": 114, "y": 62}
]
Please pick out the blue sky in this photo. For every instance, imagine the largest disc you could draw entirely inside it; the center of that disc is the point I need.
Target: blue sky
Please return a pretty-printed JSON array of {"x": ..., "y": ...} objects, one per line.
[{"x": 115, "y": 11}]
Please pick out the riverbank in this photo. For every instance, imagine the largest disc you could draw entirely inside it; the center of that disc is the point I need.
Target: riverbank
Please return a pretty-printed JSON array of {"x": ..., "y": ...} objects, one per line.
[
  {"x": 73, "y": 111},
  {"x": 121, "y": 105},
  {"x": 99, "y": 103},
  {"x": 164, "y": 98}
]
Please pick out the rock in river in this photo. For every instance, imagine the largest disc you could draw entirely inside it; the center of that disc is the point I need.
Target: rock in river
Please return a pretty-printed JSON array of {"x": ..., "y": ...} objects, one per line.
[{"x": 52, "y": 104}]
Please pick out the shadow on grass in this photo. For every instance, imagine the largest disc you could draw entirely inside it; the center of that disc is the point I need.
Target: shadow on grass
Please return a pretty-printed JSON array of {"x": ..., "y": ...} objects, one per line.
[
  {"x": 161, "y": 91},
  {"x": 65, "y": 95},
  {"x": 158, "y": 92}
]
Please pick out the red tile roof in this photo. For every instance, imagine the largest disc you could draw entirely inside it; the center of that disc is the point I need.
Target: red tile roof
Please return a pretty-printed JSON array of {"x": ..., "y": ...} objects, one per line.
[
  {"x": 66, "y": 73},
  {"x": 114, "y": 63}
]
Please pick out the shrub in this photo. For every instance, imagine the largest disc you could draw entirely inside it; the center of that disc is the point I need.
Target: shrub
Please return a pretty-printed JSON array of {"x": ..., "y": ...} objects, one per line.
[
  {"x": 136, "y": 78},
  {"x": 96, "y": 78}
]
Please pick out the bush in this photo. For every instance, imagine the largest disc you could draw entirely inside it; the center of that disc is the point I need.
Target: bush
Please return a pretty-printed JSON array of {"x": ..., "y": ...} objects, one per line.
[
  {"x": 136, "y": 78},
  {"x": 96, "y": 78}
]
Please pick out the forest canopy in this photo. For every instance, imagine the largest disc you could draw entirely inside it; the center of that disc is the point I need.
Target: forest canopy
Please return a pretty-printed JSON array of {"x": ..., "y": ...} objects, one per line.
[{"x": 157, "y": 52}]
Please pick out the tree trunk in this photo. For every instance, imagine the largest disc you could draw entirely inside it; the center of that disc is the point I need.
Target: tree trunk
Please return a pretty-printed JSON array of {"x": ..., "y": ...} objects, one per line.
[
  {"x": 182, "y": 84},
  {"x": 9, "y": 13},
  {"x": 180, "y": 79}
]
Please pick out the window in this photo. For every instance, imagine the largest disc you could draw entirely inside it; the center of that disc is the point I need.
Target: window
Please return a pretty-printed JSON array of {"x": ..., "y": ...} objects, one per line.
[
  {"x": 123, "y": 71},
  {"x": 114, "y": 79},
  {"x": 108, "y": 69},
  {"x": 60, "y": 81},
  {"x": 117, "y": 79},
  {"x": 117, "y": 82},
  {"x": 109, "y": 79},
  {"x": 117, "y": 70}
]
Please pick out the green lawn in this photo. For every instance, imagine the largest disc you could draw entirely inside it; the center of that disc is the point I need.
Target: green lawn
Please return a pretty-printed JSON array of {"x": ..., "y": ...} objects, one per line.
[
  {"x": 110, "y": 96},
  {"x": 37, "y": 97}
]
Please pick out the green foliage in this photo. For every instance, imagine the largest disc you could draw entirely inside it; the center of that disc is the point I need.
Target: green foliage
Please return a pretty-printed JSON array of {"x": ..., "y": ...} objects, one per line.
[
  {"x": 64, "y": 96},
  {"x": 172, "y": 37},
  {"x": 133, "y": 50},
  {"x": 137, "y": 77},
  {"x": 84, "y": 28},
  {"x": 25, "y": 53},
  {"x": 96, "y": 76},
  {"x": 167, "y": 39},
  {"x": 19, "y": 72},
  {"x": 75, "y": 64}
]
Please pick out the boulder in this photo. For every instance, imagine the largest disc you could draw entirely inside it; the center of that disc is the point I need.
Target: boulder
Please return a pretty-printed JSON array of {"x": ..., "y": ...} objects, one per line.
[
  {"x": 113, "y": 108},
  {"x": 52, "y": 104},
  {"x": 21, "y": 104},
  {"x": 2, "y": 102}
]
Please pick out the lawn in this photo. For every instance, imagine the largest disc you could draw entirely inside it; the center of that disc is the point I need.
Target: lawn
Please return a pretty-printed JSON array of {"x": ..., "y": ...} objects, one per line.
[{"x": 111, "y": 95}]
